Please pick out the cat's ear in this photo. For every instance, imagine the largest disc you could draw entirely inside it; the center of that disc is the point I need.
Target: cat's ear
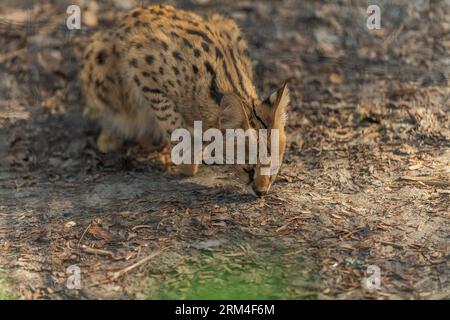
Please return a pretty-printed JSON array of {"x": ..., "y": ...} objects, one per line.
[
  {"x": 279, "y": 101},
  {"x": 273, "y": 109},
  {"x": 232, "y": 113}
]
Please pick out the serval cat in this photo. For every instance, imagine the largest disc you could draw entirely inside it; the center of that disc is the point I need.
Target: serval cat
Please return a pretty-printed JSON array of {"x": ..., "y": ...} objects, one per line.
[{"x": 162, "y": 68}]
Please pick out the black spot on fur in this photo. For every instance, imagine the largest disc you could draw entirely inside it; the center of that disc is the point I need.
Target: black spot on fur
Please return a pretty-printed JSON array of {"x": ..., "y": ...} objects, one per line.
[
  {"x": 238, "y": 72},
  {"x": 216, "y": 95},
  {"x": 214, "y": 91},
  {"x": 98, "y": 83},
  {"x": 133, "y": 63},
  {"x": 219, "y": 53},
  {"x": 195, "y": 69},
  {"x": 137, "y": 81},
  {"x": 165, "y": 46},
  {"x": 228, "y": 76},
  {"x": 197, "y": 53},
  {"x": 177, "y": 56},
  {"x": 176, "y": 71},
  {"x": 101, "y": 57},
  {"x": 209, "y": 29},
  {"x": 155, "y": 101},
  {"x": 205, "y": 47},
  {"x": 161, "y": 118},
  {"x": 200, "y": 34},
  {"x": 210, "y": 69},
  {"x": 136, "y": 14},
  {"x": 145, "y": 74},
  {"x": 149, "y": 59},
  {"x": 147, "y": 89},
  {"x": 187, "y": 43},
  {"x": 161, "y": 70}
]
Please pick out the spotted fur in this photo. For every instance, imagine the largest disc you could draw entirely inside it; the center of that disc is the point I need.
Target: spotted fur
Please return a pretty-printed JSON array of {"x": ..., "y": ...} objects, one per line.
[{"x": 162, "y": 68}]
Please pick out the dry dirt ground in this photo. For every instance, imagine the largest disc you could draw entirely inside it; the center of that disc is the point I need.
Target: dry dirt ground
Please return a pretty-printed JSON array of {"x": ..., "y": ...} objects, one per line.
[{"x": 366, "y": 179}]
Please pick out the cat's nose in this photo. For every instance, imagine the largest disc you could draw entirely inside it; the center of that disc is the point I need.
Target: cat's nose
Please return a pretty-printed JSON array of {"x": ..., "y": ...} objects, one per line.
[{"x": 261, "y": 193}]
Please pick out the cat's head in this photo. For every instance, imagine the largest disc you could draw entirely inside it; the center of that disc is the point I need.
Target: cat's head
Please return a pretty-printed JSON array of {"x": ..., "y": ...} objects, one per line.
[{"x": 267, "y": 119}]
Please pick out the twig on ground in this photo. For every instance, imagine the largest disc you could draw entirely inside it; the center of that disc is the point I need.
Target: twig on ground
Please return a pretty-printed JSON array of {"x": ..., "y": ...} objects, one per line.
[
  {"x": 427, "y": 181},
  {"x": 392, "y": 244},
  {"x": 116, "y": 275},
  {"x": 84, "y": 232},
  {"x": 142, "y": 226},
  {"x": 100, "y": 252}
]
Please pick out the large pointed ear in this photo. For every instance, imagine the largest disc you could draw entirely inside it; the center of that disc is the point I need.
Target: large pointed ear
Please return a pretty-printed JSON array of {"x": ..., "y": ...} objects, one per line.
[
  {"x": 279, "y": 101},
  {"x": 232, "y": 114}
]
